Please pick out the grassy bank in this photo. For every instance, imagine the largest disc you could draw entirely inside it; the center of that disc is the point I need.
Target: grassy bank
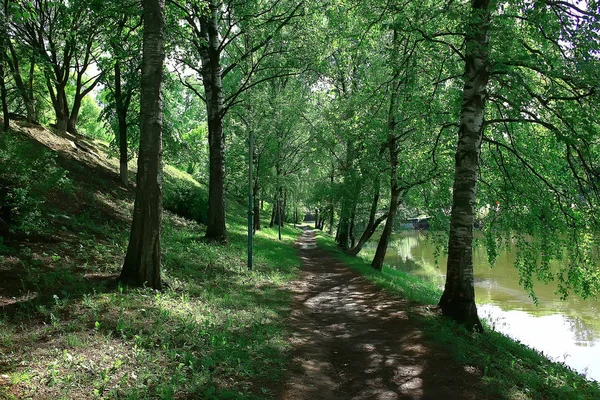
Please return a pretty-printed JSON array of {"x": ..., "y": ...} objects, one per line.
[
  {"x": 509, "y": 369},
  {"x": 67, "y": 331}
]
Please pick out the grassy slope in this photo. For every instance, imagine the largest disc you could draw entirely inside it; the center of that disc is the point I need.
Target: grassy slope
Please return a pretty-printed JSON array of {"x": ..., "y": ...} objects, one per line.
[
  {"x": 65, "y": 332},
  {"x": 509, "y": 369}
]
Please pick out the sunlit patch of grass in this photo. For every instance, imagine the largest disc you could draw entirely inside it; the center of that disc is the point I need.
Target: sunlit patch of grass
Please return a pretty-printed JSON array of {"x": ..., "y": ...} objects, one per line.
[{"x": 509, "y": 370}]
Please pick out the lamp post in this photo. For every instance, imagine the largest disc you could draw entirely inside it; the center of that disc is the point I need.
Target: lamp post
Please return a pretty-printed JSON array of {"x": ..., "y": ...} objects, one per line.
[{"x": 250, "y": 200}]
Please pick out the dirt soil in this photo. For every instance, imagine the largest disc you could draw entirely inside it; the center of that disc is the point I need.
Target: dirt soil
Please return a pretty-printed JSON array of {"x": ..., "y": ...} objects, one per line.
[{"x": 352, "y": 340}]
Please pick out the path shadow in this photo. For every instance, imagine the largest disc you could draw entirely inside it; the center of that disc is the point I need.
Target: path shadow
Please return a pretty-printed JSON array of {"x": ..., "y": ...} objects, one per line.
[{"x": 354, "y": 341}]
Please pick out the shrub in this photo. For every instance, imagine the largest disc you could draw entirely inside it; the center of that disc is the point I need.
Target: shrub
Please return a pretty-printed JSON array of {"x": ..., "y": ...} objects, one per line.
[
  {"x": 28, "y": 172},
  {"x": 185, "y": 199}
]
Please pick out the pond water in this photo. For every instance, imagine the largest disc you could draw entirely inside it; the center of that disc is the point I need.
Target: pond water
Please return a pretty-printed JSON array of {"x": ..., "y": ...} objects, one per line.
[{"x": 565, "y": 331}]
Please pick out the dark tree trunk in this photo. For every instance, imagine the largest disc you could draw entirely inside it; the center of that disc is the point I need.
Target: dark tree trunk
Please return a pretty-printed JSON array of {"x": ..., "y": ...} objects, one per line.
[
  {"x": 382, "y": 246},
  {"x": 366, "y": 235},
  {"x": 273, "y": 215},
  {"x": 80, "y": 91},
  {"x": 458, "y": 299},
  {"x": 121, "y": 109},
  {"x": 371, "y": 225},
  {"x": 279, "y": 222},
  {"x": 284, "y": 208},
  {"x": 344, "y": 225},
  {"x": 392, "y": 143},
  {"x": 210, "y": 54},
  {"x": 331, "y": 203},
  {"x": 351, "y": 227},
  {"x": 317, "y": 218},
  {"x": 73, "y": 117},
  {"x": 15, "y": 69},
  {"x": 5, "y": 117},
  {"x": 331, "y": 215},
  {"x": 58, "y": 96},
  {"x": 3, "y": 94},
  {"x": 142, "y": 262}
]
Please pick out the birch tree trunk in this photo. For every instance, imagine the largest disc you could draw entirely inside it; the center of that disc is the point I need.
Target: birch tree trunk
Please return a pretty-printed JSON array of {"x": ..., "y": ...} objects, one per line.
[
  {"x": 142, "y": 262},
  {"x": 458, "y": 299}
]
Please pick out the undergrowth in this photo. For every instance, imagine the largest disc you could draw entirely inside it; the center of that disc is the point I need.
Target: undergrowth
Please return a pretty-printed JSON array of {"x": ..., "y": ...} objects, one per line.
[
  {"x": 510, "y": 370},
  {"x": 67, "y": 331}
]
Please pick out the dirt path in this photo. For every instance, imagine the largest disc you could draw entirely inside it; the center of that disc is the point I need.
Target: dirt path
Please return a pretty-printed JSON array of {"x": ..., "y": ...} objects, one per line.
[{"x": 353, "y": 341}]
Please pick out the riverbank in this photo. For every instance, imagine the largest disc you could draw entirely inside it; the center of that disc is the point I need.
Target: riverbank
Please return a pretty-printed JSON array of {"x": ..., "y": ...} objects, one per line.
[{"x": 508, "y": 369}]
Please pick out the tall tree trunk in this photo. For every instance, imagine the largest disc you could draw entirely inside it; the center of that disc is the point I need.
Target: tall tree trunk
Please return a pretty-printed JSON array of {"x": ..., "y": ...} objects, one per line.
[
  {"x": 317, "y": 218},
  {"x": 213, "y": 87},
  {"x": 5, "y": 116},
  {"x": 142, "y": 262},
  {"x": 458, "y": 299},
  {"x": 3, "y": 94},
  {"x": 349, "y": 193},
  {"x": 392, "y": 140},
  {"x": 122, "y": 119}
]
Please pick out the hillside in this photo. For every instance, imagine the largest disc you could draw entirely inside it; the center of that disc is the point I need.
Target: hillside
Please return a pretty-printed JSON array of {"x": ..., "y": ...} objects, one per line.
[{"x": 66, "y": 329}]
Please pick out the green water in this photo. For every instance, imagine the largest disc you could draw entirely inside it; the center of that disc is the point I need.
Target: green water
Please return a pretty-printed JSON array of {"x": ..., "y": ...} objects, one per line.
[{"x": 567, "y": 331}]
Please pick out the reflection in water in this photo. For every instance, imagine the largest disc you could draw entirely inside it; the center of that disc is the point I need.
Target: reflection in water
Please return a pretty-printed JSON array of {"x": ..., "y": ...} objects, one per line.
[{"x": 575, "y": 338}]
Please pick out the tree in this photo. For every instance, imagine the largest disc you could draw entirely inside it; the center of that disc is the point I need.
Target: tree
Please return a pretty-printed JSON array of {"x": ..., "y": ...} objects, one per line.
[
  {"x": 3, "y": 94},
  {"x": 142, "y": 261},
  {"x": 121, "y": 73},
  {"x": 63, "y": 37},
  {"x": 458, "y": 298},
  {"x": 232, "y": 41}
]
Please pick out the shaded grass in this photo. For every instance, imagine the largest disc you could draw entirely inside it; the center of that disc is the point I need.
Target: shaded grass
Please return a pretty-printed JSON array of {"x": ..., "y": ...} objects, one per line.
[
  {"x": 217, "y": 332},
  {"x": 67, "y": 331},
  {"x": 509, "y": 369}
]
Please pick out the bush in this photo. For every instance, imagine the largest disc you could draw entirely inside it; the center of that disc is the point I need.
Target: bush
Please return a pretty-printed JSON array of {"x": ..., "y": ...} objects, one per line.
[
  {"x": 185, "y": 199},
  {"x": 28, "y": 172}
]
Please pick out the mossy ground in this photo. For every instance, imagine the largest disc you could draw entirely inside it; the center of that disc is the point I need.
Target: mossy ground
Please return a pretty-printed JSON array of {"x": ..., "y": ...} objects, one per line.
[
  {"x": 509, "y": 370},
  {"x": 68, "y": 331}
]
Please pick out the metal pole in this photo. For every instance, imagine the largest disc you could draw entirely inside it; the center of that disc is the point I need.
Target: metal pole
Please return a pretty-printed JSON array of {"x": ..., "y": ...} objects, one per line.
[
  {"x": 279, "y": 207},
  {"x": 250, "y": 200}
]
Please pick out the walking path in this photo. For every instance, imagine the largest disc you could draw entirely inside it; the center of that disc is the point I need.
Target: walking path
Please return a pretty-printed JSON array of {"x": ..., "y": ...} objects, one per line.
[{"x": 354, "y": 341}]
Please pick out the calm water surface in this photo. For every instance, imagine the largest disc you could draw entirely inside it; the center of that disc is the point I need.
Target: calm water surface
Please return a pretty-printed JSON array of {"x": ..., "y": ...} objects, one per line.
[{"x": 566, "y": 331}]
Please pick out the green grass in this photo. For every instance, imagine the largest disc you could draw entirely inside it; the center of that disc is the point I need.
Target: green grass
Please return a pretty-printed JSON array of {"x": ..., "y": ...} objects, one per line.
[
  {"x": 510, "y": 370},
  {"x": 218, "y": 331}
]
